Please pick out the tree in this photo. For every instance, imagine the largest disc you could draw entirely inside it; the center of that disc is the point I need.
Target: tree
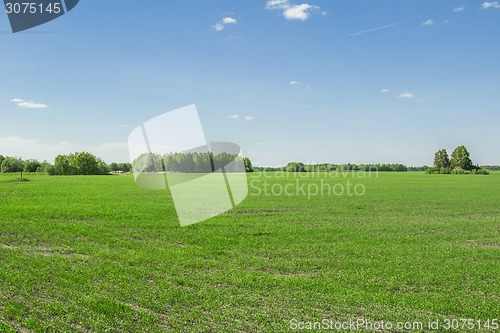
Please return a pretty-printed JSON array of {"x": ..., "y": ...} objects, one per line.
[
  {"x": 442, "y": 161},
  {"x": 295, "y": 167},
  {"x": 31, "y": 166},
  {"x": 102, "y": 167},
  {"x": 125, "y": 167},
  {"x": 85, "y": 163},
  {"x": 113, "y": 166},
  {"x": 12, "y": 164},
  {"x": 63, "y": 166},
  {"x": 248, "y": 164},
  {"x": 148, "y": 162},
  {"x": 460, "y": 158}
]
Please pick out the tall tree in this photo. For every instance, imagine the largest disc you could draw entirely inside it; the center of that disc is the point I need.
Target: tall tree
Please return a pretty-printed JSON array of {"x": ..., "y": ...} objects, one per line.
[
  {"x": 460, "y": 158},
  {"x": 441, "y": 160},
  {"x": 248, "y": 164}
]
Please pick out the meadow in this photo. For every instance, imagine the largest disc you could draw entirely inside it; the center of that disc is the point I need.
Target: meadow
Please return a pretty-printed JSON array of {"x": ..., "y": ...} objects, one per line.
[{"x": 100, "y": 254}]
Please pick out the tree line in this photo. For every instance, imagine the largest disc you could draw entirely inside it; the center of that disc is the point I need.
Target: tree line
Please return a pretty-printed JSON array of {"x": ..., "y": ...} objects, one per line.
[
  {"x": 190, "y": 162},
  {"x": 82, "y": 163},
  {"x": 328, "y": 167}
]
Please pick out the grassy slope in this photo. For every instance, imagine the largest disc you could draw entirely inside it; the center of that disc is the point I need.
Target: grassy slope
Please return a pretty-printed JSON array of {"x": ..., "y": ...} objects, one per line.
[{"x": 100, "y": 254}]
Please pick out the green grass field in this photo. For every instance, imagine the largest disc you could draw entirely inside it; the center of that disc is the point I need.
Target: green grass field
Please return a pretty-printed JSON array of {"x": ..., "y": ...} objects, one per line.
[{"x": 99, "y": 254}]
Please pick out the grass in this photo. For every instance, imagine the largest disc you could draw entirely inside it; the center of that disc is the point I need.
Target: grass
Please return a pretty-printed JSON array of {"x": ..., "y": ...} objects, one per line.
[{"x": 99, "y": 254}]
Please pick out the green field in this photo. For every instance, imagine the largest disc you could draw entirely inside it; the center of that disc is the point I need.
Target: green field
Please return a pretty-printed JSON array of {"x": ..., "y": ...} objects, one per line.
[{"x": 99, "y": 254}]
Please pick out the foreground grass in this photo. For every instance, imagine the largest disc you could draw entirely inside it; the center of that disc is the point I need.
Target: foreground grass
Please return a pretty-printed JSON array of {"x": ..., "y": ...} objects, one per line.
[{"x": 99, "y": 254}]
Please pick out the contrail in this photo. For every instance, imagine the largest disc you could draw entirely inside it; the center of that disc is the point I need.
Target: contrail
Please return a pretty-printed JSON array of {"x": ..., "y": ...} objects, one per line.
[{"x": 378, "y": 28}]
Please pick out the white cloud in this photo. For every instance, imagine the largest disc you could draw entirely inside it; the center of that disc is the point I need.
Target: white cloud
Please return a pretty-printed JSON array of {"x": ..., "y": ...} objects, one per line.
[
  {"x": 428, "y": 22},
  {"x": 299, "y": 12},
  {"x": 229, "y": 20},
  {"x": 458, "y": 9},
  {"x": 291, "y": 11},
  {"x": 32, "y": 105},
  {"x": 222, "y": 24},
  {"x": 233, "y": 116},
  {"x": 407, "y": 95},
  {"x": 493, "y": 4},
  {"x": 384, "y": 91},
  {"x": 28, "y": 105},
  {"x": 294, "y": 83},
  {"x": 249, "y": 118},
  {"x": 28, "y": 148}
]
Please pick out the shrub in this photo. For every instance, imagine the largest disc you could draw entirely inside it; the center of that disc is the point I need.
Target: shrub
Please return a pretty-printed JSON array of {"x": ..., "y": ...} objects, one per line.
[{"x": 480, "y": 172}]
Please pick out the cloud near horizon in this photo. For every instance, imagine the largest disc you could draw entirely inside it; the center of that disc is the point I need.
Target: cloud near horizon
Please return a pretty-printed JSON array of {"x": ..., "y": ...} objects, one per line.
[{"x": 29, "y": 148}]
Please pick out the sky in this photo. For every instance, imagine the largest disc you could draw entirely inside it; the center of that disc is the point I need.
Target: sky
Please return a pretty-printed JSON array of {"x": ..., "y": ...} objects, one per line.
[{"x": 318, "y": 81}]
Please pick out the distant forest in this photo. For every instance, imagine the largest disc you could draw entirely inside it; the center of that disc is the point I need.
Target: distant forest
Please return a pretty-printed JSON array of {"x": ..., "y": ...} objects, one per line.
[{"x": 84, "y": 163}]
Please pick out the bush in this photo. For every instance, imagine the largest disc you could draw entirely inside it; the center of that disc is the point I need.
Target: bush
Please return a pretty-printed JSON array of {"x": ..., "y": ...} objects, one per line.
[
  {"x": 480, "y": 172},
  {"x": 460, "y": 171}
]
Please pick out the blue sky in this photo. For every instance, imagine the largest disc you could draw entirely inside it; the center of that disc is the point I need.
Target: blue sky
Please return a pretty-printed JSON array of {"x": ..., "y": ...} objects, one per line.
[{"x": 315, "y": 81}]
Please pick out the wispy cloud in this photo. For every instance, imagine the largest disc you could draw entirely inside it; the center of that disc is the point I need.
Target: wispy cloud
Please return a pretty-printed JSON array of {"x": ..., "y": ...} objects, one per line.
[
  {"x": 28, "y": 105},
  {"x": 277, "y": 4},
  {"x": 291, "y": 11},
  {"x": 384, "y": 91},
  {"x": 232, "y": 116},
  {"x": 249, "y": 118},
  {"x": 375, "y": 29},
  {"x": 493, "y": 4},
  {"x": 428, "y": 22},
  {"x": 459, "y": 9},
  {"x": 234, "y": 37},
  {"x": 222, "y": 23},
  {"x": 406, "y": 95},
  {"x": 294, "y": 83},
  {"x": 31, "y": 105}
]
